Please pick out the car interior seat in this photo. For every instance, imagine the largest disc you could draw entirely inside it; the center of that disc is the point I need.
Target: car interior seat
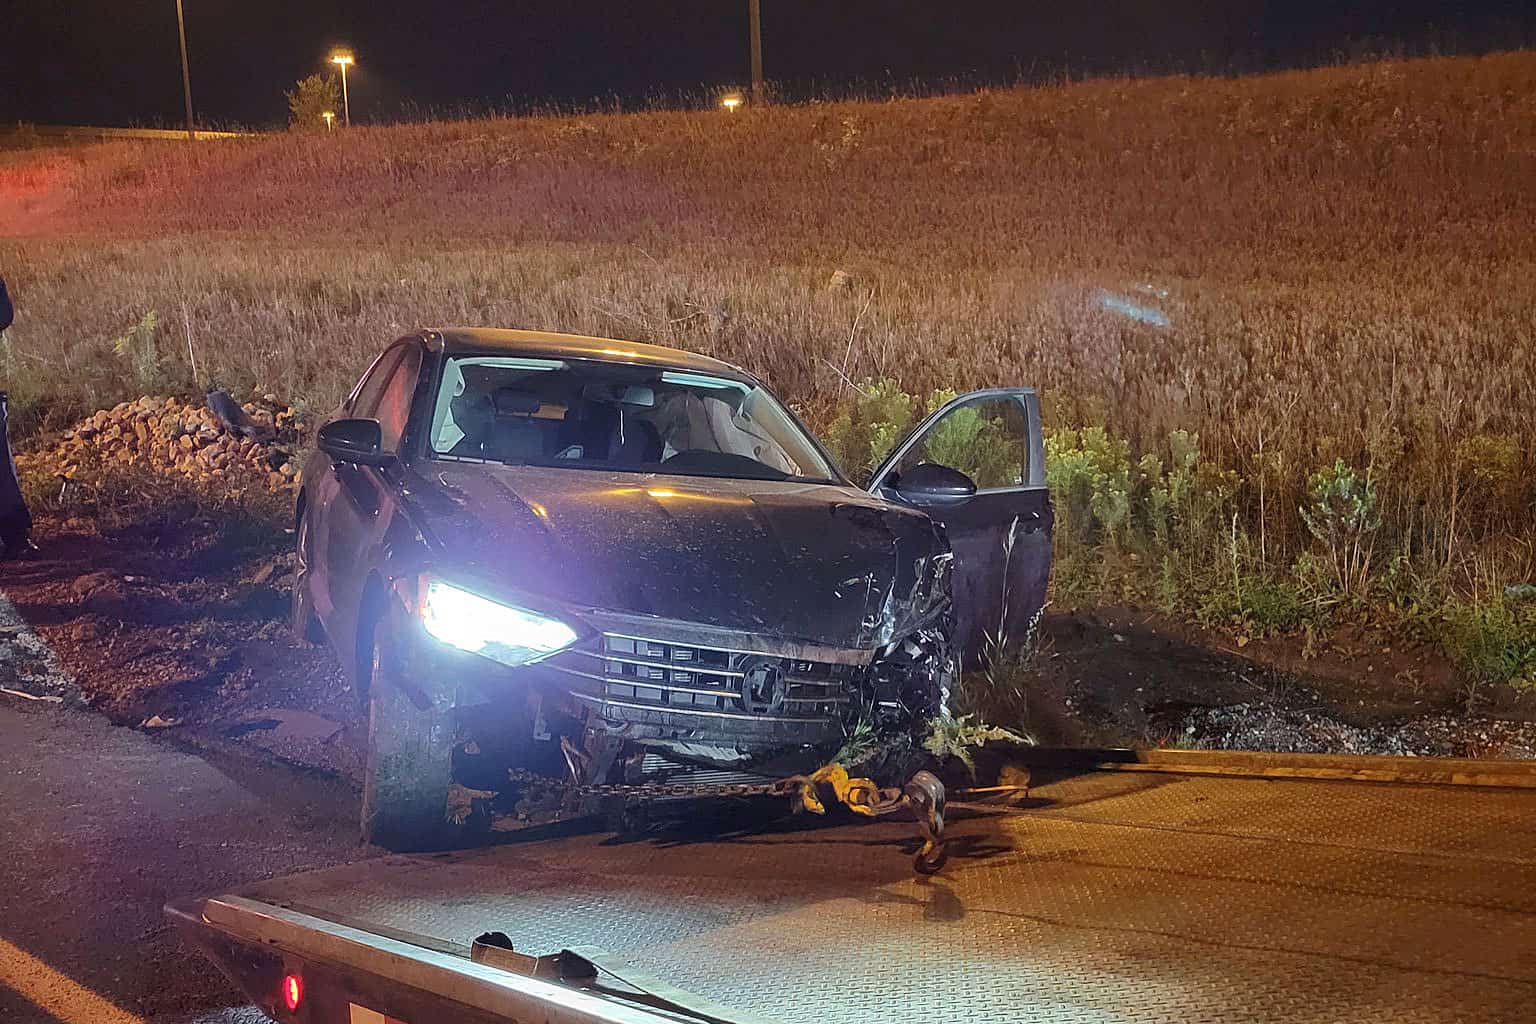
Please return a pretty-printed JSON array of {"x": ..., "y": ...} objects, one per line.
[
  {"x": 634, "y": 441},
  {"x": 515, "y": 435},
  {"x": 589, "y": 425},
  {"x": 472, "y": 413}
]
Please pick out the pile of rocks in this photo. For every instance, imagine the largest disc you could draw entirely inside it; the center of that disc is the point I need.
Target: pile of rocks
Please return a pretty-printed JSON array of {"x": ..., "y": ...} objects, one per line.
[{"x": 169, "y": 435}]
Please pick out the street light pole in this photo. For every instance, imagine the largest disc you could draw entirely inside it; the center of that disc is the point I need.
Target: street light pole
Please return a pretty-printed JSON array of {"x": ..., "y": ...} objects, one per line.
[
  {"x": 186, "y": 74},
  {"x": 343, "y": 59},
  {"x": 346, "y": 101},
  {"x": 755, "y": 12}
]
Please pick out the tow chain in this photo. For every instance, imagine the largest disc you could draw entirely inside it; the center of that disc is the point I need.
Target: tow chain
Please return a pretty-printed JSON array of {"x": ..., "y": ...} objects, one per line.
[
  {"x": 923, "y": 794},
  {"x": 646, "y": 791}
]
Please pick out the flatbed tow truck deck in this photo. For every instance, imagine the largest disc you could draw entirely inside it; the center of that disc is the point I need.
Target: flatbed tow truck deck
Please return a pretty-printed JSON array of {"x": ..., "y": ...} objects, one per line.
[{"x": 1105, "y": 897}]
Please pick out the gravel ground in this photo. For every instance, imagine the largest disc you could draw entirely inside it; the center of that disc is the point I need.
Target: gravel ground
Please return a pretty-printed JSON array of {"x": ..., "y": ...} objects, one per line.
[{"x": 1259, "y": 726}]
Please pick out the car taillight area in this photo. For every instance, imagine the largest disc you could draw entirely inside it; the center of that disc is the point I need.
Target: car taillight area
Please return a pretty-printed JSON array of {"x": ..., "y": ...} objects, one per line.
[{"x": 712, "y": 681}]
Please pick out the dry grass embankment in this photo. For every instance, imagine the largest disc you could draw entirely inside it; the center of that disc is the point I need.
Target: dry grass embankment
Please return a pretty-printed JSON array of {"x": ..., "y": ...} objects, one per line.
[{"x": 1300, "y": 268}]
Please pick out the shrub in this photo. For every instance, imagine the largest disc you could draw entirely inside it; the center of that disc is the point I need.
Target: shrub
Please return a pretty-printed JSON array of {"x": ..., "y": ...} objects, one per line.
[
  {"x": 1491, "y": 641},
  {"x": 137, "y": 347},
  {"x": 1089, "y": 474},
  {"x": 868, "y": 425},
  {"x": 1341, "y": 512},
  {"x": 959, "y": 738}
]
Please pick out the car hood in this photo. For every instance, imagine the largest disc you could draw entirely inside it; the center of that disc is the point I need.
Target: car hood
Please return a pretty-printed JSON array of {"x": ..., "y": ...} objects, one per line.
[{"x": 814, "y": 563}]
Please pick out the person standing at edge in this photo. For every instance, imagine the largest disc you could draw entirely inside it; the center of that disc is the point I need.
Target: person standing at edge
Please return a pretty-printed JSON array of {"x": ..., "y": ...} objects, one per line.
[{"x": 15, "y": 520}]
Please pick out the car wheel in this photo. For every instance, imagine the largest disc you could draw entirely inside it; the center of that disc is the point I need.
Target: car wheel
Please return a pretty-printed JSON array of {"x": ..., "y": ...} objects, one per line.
[
  {"x": 409, "y": 776},
  {"x": 302, "y": 619}
]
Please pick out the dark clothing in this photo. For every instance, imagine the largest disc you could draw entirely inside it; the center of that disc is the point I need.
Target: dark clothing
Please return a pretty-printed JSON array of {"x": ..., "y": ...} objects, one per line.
[{"x": 15, "y": 519}]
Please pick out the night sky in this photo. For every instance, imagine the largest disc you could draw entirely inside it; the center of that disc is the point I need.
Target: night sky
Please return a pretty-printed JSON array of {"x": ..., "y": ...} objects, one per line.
[{"x": 114, "y": 62}]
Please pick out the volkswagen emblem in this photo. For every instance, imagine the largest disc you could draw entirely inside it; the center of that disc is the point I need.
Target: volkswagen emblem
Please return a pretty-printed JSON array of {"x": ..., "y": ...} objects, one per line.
[{"x": 762, "y": 685}]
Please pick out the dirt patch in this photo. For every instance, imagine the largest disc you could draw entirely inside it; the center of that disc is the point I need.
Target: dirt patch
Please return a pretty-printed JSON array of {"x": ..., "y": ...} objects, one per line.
[
  {"x": 1130, "y": 678},
  {"x": 178, "y": 633}
]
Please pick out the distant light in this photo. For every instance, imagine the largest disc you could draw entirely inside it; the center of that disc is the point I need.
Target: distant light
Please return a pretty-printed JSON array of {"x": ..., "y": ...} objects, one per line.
[
  {"x": 343, "y": 58},
  {"x": 330, "y": 119},
  {"x": 293, "y": 991},
  {"x": 730, "y": 101},
  {"x": 1134, "y": 310}
]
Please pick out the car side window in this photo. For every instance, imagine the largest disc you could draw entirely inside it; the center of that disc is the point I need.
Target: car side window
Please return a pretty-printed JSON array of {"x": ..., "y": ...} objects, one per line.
[
  {"x": 394, "y": 404},
  {"x": 987, "y": 439},
  {"x": 372, "y": 385}
]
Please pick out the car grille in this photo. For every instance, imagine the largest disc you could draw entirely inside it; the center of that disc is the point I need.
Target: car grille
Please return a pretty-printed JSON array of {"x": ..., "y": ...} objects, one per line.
[
  {"x": 708, "y": 680},
  {"x": 661, "y": 769}
]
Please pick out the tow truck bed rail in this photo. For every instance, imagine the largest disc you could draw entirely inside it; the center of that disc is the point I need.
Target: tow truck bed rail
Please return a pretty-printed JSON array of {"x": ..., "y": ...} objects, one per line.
[
  {"x": 1109, "y": 897},
  {"x": 345, "y": 968}
]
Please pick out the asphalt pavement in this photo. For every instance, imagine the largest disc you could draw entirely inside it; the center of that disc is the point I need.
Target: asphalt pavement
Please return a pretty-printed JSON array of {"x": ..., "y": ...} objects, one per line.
[{"x": 102, "y": 825}]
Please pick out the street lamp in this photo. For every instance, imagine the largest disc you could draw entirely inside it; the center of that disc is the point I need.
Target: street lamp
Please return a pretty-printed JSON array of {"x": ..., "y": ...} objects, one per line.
[
  {"x": 730, "y": 101},
  {"x": 344, "y": 59},
  {"x": 330, "y": 119}
]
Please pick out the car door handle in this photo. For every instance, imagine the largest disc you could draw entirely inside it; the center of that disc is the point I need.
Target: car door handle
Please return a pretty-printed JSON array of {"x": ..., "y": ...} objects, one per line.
[{"x": 1033, "y": 523}]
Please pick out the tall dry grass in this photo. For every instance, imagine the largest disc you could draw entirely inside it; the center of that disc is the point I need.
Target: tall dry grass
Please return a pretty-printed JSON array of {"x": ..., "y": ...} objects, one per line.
[{"x": 1300, "y": 267}]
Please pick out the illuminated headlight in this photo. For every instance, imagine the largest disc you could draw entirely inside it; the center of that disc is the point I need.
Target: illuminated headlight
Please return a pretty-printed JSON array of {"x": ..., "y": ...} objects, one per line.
[{"x": 502, "y": 632}]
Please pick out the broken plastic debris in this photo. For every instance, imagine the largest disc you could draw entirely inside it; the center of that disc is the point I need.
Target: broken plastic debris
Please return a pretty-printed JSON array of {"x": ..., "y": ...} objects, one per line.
[{"x": 50, "y": 698}]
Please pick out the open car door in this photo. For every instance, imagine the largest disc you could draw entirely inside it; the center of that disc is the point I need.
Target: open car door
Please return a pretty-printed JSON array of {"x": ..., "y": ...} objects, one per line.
[{"x": 1000, "y": 528}]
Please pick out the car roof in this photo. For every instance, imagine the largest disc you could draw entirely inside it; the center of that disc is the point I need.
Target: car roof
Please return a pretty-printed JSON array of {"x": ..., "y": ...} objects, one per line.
[{"x": 548, "y": 344}]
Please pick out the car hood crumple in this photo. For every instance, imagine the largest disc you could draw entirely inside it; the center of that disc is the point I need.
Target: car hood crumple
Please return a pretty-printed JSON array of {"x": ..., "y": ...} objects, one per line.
[{"x": 812, "y": 563}]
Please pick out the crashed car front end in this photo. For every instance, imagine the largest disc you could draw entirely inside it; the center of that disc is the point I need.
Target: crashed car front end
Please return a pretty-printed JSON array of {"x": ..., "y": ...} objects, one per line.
[
  {"x": 731, "y": 699},
  {"x": 618, "y": 685},
  {"x": 730, "y": 623}
]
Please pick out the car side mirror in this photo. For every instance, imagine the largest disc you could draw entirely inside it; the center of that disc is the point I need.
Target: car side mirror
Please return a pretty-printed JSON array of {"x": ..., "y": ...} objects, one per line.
[
  {"x": 356, "y": 441},
  {"x": 930, "y": 484}
]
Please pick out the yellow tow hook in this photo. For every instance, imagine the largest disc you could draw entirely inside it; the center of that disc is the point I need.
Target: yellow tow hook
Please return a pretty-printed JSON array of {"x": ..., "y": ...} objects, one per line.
[{"x": 923, "y": 793}]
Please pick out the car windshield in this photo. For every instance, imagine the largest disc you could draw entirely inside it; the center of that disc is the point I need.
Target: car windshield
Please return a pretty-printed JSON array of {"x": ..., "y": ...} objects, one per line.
[{"x": 586, "y": 414}]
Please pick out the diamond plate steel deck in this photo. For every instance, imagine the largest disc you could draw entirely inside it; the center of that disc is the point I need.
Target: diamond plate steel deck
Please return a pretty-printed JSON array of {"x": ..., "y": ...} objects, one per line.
[{"x": 1112, "y": 898}]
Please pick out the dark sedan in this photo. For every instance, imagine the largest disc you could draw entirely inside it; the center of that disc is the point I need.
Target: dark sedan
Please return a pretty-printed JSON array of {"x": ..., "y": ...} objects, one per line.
[{"x": 621, "y": 563}]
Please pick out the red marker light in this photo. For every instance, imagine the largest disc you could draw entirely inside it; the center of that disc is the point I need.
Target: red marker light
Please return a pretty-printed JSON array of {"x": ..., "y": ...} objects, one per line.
[{"x": 293, "y": 991}]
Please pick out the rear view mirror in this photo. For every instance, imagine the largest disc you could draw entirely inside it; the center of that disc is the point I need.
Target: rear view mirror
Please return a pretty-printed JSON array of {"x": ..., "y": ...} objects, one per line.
[
  {"x": 356, "y": 441},
  {"x": 639, "y": 395},
  {"x": 931, "y": 484}
]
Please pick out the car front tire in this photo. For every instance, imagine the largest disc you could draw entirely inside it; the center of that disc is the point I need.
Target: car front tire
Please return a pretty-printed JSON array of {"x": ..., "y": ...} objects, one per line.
[{"x": 410, "y": 758}]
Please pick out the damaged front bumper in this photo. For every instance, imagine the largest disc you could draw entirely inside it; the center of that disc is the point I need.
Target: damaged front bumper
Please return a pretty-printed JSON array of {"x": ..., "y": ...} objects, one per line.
[
  {"x": 708, "y": 696},
  {"x": 730, "y": 698}
]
